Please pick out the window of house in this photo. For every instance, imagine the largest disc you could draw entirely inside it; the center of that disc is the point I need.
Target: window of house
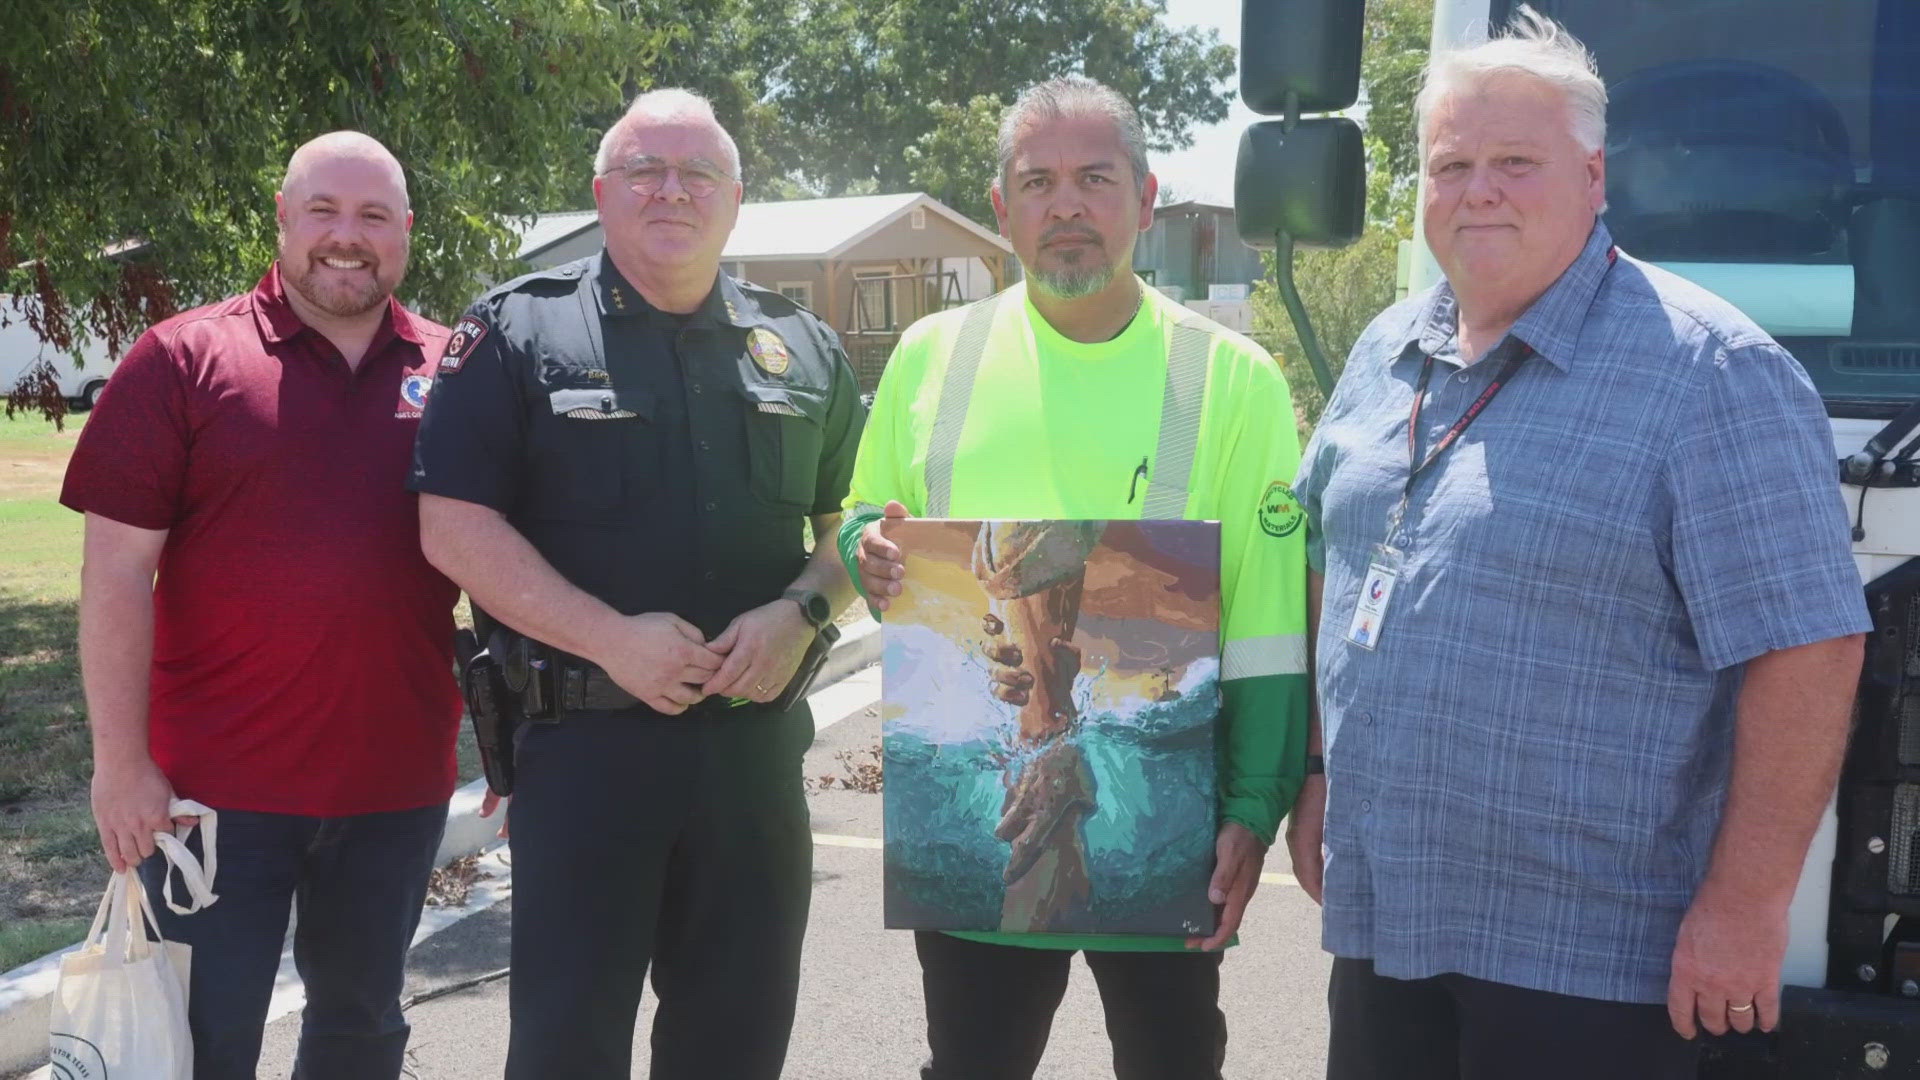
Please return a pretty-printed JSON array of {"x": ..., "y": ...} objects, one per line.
[
  {"x": 873, "y": 294},
  {"x": 800, "y": 292}
]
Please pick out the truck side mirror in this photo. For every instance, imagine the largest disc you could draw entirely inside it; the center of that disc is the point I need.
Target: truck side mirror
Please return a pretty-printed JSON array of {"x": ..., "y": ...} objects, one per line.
[
  {"x": 1308, "y": 48},
  {"x": 1309, "y": 183},
  {"x": 1304, "y": 181},
  {"x": 1301, "y": 180}
]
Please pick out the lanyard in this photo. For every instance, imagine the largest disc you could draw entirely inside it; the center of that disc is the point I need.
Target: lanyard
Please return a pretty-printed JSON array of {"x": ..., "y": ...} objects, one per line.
[{"x": 1416, "y": 467}]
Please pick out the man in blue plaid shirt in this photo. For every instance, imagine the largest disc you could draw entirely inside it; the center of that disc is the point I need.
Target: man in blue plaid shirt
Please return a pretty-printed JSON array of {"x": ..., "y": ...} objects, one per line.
[{"x": 1588, "y": 640}]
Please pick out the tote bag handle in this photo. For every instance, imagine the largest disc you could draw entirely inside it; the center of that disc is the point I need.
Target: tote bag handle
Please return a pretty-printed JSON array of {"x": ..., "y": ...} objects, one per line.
[{"x": 196, "y": 874}]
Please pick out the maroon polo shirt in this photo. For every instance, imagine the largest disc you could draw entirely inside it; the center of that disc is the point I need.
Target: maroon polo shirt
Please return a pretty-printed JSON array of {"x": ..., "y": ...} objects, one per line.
[{"x": 302, "y": 659}]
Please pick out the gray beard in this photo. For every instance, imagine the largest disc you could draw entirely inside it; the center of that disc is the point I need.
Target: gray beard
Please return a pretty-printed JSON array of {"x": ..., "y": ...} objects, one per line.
[{"x": 1073, "y": 283}]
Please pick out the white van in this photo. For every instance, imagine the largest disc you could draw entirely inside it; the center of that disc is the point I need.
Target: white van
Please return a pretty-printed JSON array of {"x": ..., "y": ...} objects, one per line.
[{"x": 20, "y": 347}]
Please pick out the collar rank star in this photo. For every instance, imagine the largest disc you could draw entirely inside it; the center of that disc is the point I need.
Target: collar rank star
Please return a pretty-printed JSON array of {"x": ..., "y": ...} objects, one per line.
[
  {"x": 466, "y": 336},
  {"x": 769, "y": 352},
  {"x": 413, "y": 396}
]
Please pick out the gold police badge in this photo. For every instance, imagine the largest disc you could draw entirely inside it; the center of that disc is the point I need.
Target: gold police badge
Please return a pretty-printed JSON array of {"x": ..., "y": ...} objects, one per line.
[{"x": 768, "y": 351}]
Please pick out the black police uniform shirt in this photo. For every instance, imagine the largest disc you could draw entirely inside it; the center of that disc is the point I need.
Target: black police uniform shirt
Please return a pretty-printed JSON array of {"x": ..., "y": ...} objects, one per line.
[{"x": 673, "y": 476}]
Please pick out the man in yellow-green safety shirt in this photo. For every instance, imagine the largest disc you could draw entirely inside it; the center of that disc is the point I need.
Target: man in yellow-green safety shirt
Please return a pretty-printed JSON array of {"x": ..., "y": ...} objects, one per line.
[{"x": 1083, "y": 394}]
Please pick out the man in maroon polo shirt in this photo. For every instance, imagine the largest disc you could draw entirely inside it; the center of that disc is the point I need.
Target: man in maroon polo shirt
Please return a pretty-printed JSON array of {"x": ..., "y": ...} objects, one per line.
[{"x": 290, "y": 666}]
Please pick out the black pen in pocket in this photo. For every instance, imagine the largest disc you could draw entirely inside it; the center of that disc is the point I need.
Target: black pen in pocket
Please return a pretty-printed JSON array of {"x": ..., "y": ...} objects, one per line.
[{"x": 1139, "y": 474}]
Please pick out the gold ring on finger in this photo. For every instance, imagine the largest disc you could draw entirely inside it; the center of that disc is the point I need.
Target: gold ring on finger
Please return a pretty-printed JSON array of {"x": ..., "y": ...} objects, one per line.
[{"x": 1748, "y": 1007}]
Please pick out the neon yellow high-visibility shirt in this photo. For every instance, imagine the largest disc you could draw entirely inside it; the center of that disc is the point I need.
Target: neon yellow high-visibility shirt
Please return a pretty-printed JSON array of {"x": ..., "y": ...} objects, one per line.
[{"x": 1062, "y": 429}]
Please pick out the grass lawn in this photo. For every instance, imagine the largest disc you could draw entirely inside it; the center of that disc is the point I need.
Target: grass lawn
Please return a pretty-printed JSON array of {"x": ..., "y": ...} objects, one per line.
[{"x": 51, "y": 871}]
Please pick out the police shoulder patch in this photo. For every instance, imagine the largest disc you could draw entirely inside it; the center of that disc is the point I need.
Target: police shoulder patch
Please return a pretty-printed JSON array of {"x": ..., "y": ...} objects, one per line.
[
  {"x": 769, "y": 351},
  {"x": 1280, "y": 512},
  {"x": 466, "y": 336}
]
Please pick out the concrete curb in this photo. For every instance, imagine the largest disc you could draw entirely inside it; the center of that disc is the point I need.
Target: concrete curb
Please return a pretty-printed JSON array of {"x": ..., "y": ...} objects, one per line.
[
  {"x": 859, "y": 647},
  {"x": 26, "y": 992}
]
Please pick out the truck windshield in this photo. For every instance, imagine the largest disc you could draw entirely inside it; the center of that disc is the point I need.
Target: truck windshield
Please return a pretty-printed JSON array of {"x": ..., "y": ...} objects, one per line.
[{"x": 1770, "y": 150}]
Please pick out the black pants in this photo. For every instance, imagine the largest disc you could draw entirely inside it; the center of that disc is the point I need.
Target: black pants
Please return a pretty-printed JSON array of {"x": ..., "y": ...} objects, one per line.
[
  {"x": 680, "y": 845},
  {"x": 1451, "y": 1027},
  {"x": 990, "y": 1007},
  {"x": 358, "y": 882}
]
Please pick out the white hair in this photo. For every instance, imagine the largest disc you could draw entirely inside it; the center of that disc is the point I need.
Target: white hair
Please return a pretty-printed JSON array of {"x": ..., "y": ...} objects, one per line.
[
  {"x": 1532, "y": 45},
  {"x": 670, "y": 103}
]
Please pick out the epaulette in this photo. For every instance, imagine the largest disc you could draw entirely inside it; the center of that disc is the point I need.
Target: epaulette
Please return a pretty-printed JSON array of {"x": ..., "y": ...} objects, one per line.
[
  {"x": 783, "y": 304},
  {"x": 543, "y": 280}
]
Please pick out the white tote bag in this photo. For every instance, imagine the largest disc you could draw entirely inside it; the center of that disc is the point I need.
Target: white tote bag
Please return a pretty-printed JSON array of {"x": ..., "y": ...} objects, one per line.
[{"x": 120, "y": 1011}]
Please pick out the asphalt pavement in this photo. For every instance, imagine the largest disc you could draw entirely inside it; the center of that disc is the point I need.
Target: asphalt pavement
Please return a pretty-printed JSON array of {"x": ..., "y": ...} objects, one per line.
[{"x": 859, "y": 1013}]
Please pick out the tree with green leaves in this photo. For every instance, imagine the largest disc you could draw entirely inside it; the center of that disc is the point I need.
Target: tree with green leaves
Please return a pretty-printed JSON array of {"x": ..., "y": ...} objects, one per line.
[
  {"x": 733, "y": 53},
  {"x": 907, "y": 94},
  {"x": 125, "y": 194},
  {"x": 141, "y": 141},
  {"x": 1395, "y": 53}
]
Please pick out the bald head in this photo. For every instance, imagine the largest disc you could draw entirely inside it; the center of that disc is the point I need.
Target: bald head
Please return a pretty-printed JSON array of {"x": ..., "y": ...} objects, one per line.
[
  {"x": 310, "y": 161},
  {"x": 669, "y": 106},
  {"x": 344, "y": 218}
]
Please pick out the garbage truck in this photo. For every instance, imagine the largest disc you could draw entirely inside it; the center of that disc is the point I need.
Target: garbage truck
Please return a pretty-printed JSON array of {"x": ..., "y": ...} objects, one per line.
[{"x": 1768, "y": 150}]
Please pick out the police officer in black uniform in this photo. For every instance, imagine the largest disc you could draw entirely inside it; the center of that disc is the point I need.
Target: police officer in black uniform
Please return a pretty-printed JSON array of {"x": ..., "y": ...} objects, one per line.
[{"x": 616, "y": 461}]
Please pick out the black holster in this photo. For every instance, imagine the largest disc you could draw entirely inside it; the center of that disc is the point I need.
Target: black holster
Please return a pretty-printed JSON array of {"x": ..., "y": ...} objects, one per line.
[{"x": 495, "y": 711}]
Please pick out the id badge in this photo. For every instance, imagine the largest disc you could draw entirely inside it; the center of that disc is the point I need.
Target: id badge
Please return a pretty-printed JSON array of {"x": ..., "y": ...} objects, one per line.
[{"x": 1376, "y": 592}]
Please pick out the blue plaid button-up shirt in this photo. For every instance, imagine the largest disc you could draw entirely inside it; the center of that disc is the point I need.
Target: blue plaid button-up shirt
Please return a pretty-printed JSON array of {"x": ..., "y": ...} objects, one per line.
[{"x": 1526, "y": 776}]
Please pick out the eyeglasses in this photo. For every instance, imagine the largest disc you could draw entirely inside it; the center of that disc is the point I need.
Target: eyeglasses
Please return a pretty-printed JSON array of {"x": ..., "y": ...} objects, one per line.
[{"x": 698, "y": 180}]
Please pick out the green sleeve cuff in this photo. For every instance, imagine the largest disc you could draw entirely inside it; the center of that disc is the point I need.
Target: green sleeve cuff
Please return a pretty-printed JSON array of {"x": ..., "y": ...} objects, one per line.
[
  {"x": 1263, "y": 750},
  {"x": 851, "y": 527}
]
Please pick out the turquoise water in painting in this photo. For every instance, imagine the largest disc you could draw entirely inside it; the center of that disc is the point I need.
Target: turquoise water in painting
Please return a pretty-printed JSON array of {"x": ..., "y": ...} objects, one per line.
[{"x": 949, "y": 761}]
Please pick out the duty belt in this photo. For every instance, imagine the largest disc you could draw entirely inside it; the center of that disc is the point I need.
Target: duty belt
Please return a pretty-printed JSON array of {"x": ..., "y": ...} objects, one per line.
[
  {"x": 585, "y": 687},
  {"x": 551, "y": 684}
]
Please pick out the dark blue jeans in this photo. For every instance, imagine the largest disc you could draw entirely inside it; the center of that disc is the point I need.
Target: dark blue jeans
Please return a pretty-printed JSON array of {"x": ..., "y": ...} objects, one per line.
[{"x": 359, "y": 883}]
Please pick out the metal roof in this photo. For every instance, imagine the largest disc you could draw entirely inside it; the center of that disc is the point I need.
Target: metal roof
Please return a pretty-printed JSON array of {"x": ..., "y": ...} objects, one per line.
[
  {"x": 1191, "y": 204},
  {"x": 798, "y": 229},
  {"x": 547, "y": 230},
  {"x": 810, "y": 228}
]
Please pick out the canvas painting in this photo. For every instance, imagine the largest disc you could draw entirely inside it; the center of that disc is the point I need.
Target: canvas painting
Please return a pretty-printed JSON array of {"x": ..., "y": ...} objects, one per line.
[{"x": 1050, "y": 691}]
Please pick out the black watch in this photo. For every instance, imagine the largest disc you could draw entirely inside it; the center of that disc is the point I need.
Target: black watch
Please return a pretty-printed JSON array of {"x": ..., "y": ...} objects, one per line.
[
  {"x": 813, "y": 605},
  {"x": 1316, "y": 765}
]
